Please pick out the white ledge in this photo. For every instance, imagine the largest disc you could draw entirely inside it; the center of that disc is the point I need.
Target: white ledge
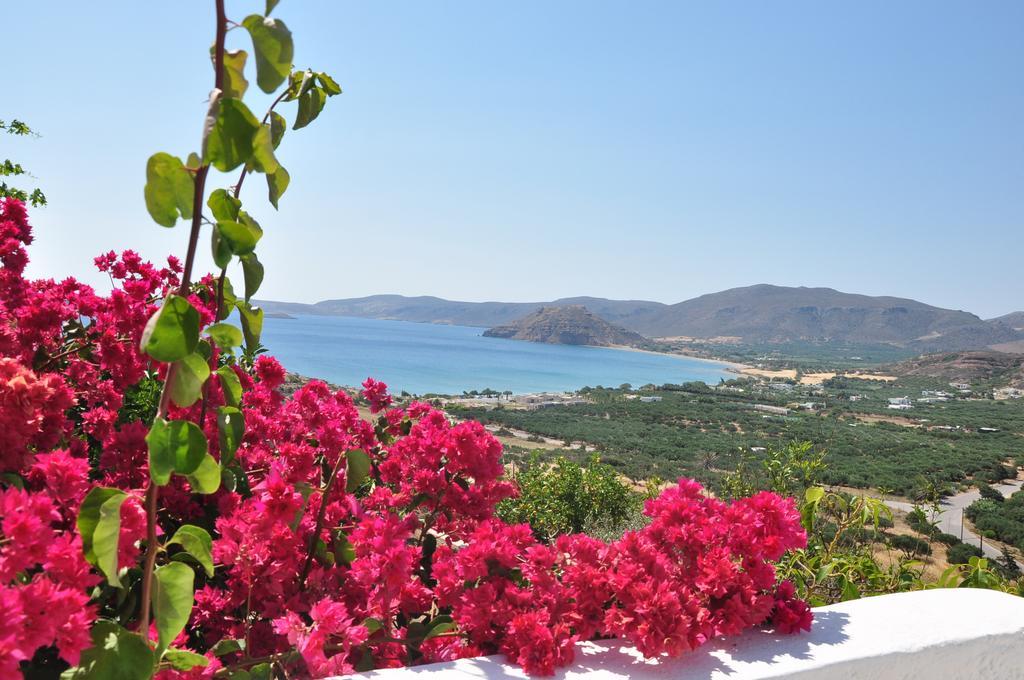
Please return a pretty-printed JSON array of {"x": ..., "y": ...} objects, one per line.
[{"x": 950, "y": 634}]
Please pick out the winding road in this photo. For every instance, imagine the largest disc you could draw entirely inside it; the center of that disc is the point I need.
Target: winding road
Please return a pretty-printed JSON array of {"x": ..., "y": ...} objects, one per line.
[{"x": 951, "y": 511}]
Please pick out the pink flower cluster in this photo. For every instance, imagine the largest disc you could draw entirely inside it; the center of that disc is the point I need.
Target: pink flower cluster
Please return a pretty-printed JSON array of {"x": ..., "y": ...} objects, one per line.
[
  {"x": 700, "y": 569},
  {"x": 43, "y": 583},
  {"x": 355, "y": 543}
]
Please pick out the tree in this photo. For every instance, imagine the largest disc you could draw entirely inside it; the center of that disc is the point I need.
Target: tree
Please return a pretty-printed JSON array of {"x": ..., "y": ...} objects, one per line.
[
  {"x": 962, "y": 553},
  {"x": 568, "y": 498},
  {"x": 11, "y": 169}
]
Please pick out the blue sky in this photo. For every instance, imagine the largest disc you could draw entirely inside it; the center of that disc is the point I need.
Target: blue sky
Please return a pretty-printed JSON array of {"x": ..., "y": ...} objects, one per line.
[{"x": 534, "y": 150}]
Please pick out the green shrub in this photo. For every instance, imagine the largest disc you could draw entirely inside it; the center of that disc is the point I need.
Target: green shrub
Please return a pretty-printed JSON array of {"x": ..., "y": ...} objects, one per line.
[
  {"x": 919, "y": 521},
  {"x": 566, "y": 497},
  {"x": 961, "y": 553},
  {"x": 989, "y": 493},
  {"x": 947, "y": 539},
  {"x": 911, "y": 545}
]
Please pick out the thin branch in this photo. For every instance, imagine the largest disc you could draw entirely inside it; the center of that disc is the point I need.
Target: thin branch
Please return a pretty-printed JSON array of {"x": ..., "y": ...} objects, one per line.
[
  {"x": 152, "y": 491},
  {"x": 319, "y": 522},
  {"x": 220, "y": 306}
]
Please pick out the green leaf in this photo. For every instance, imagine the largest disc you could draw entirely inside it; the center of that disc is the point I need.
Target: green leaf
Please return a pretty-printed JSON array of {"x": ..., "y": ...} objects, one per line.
[
  {"x": 193, "y": 162},
  {"x": 247, "y": 219},
  {"x": 261, "y": 671},
  {"x": 231, "y": 386},
  {"x": 172, "y": 333},
  {"x": 849, "y": 591},
  {"x": 224, "y": 206},
  {"x": 204, "y": 350},
  {"x": 357, "y": 468},
  {"x": 252, "y": 270},
  {"x": 277, "y": 127},
  {"x": 442, "y": 624},
  {"x": 277, "y": 184},
  {"x": 116, "y": 654},
  {"x": 174, "y": 446},
  {"x": 228, "y": 646},
  {"x": 241, "y": 239},
  {"x": 99, "y": 524},
  {"x": 263, "y": 159},
  {"x": 197, "y": 542},
  {"x": 172, "y": 600},
  {"x": 252, "y": 323},
  {"x": 330, "y": 87},
  {"x": 220, "y": 249},
  {"x": 230, "y": 429},
  {"x": 230, "y": 141},
  {"x": 225, "y": 335},
  {"x": 272, "y": 45},
  {"x": 299, "y": 83},
  {"x": 169, "y": 189},
  {"x": 190, "y": 374},
  {"x": 230, "y": 299},
  {"x": 228, "y": 479},
  {"x": 206, "y": 478},
  {"x": 310, "y": 105},
  {"x": 344, "y": 551},
  {"x": 814, "y": 494},
  {"x": 271, "y": 4},
  {"x": 12, "y": 479},
  {"x": 184, "y": 660},
  {"x": 235, "y": 83}
]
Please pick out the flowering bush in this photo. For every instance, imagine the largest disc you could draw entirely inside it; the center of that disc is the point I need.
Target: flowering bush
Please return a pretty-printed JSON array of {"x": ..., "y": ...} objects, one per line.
[
  {"x": 167, "y": 512},
  {"x": 335, "y": 542}
]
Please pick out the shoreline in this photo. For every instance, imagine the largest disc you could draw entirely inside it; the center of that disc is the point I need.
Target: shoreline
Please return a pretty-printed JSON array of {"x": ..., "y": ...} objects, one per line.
[{"x": 731, "y": 366}]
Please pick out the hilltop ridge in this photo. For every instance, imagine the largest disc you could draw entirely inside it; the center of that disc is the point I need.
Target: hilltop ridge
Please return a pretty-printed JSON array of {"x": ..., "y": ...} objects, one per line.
[{"x": 753, "y": 314}]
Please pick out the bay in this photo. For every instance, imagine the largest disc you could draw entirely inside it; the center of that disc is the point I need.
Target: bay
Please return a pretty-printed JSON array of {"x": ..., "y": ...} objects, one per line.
[{"x": 423, "y": 358}]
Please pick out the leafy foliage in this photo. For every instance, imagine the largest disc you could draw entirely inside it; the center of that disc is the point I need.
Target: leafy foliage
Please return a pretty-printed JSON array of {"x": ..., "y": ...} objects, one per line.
[
  {"x": 1003, "y": 519},
  {"x": 846, "y": 538},
  {"x": 10, "y": 168},
  {"x": 568, "y": 498},
  {"x": 694, "y": 425}
]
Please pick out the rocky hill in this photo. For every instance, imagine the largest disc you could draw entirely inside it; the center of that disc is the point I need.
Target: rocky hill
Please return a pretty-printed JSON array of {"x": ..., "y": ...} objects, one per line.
[{"x": 572, "y": 325}]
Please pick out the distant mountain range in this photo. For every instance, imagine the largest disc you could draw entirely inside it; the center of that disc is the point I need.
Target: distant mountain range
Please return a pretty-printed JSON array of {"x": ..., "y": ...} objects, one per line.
[
  {"x": 753, "y": 314},
  {"x": 570, "y": 325},
  {"x": 427, "y": 309}
]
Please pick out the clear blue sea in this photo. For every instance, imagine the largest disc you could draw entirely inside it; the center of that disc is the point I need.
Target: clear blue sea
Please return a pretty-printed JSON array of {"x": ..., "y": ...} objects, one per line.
[{"x": 422, "y": 358}]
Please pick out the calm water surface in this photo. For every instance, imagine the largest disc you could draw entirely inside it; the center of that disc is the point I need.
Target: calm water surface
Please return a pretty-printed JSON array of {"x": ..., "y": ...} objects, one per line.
[{"x": 422, "y": 358}]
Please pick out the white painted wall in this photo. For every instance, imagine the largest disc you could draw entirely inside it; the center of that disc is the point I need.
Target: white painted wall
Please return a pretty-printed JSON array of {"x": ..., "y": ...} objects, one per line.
[{"x": 948, "y": 634}]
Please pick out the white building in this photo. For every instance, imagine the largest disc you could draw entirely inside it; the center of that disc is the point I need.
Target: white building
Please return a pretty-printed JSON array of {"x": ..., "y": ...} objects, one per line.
[
  {"x": 900, "y": 403},
  {"x": 935, "y": 393},
  {"x": 777, "y": 410}
]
